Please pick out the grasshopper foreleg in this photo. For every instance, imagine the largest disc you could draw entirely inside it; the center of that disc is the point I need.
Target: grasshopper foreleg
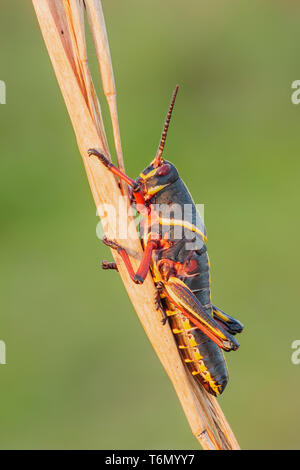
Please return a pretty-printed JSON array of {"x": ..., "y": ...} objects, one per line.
[{"x": 140, "y": 275}]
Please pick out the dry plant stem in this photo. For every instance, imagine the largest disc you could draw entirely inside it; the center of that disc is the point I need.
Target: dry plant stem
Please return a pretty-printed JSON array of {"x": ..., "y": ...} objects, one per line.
[
  {"x": 99, "y": 33},
  {"x": 75, "y": 18},
  {"x": 61, "y": 23}
]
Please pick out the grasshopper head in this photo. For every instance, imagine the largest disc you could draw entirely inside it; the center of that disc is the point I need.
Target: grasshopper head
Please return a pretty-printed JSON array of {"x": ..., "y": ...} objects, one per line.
[{"x": 153, "y": 179}]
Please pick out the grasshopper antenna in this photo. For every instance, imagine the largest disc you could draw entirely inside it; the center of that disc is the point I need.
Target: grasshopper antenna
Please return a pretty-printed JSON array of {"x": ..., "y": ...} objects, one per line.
[{"x": 158, "y": 159}]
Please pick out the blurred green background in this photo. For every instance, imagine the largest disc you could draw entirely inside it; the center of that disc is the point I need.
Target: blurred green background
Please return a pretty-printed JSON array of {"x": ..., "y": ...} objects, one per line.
[{"x": 80, "y": 371}]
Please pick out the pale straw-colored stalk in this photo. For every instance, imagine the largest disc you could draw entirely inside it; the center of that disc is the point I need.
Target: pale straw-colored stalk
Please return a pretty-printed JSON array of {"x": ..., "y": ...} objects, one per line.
[{"x": 62, "y": 26}]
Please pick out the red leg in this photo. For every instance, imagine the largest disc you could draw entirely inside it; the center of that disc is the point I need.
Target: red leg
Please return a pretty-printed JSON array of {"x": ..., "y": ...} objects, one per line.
[
  {"x": 144, "y": 266},
  {"x": 136, "y": 190}
]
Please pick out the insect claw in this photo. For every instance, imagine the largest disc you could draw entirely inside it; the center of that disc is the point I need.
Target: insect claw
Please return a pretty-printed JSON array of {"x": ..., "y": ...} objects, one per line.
[
  {"x": 138, "y": 279},
  {"x": 109, "y": 265},
  {"x": 100, "y": 156},
  {"x": 113, "y": 245}
]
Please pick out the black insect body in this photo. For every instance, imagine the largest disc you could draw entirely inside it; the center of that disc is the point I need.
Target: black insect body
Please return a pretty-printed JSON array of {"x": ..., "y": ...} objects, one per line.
[{"x": 174, "y": 236}]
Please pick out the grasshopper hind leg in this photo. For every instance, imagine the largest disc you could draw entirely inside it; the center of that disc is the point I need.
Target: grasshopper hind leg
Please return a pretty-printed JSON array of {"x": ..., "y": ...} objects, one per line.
[{"x": 158, "y": 301}]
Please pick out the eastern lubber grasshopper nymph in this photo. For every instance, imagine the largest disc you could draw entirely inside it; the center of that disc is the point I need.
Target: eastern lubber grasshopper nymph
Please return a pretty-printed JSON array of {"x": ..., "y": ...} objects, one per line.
[{"x": 173, "y": 237}]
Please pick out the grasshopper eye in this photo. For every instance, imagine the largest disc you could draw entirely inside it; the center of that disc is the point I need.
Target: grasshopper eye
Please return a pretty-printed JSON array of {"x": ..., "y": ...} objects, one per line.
[{"x": 163, "y": 170}]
